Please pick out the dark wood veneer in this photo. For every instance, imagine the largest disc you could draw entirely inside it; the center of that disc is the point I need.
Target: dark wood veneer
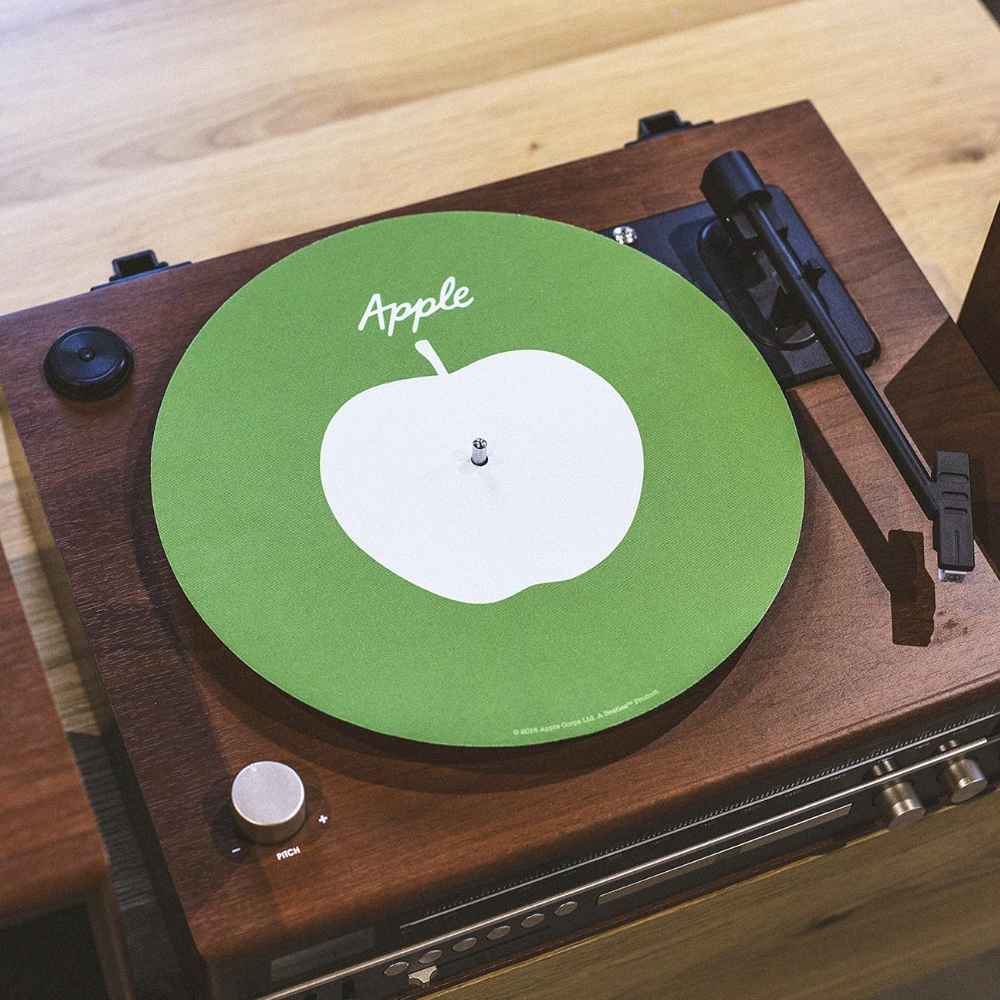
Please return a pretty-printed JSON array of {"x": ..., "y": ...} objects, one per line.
[
  {"x": 53, "y": 857},
  {"x": 860, "y": 639},
  {"x": 980, "y": 316}
]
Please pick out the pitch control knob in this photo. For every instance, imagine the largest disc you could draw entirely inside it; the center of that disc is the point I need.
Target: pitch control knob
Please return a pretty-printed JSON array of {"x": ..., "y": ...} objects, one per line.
[
  {"x": 902, "y": 805},
  {"x": 964, "y": 779},
  {"x": 269, "y": 801}
]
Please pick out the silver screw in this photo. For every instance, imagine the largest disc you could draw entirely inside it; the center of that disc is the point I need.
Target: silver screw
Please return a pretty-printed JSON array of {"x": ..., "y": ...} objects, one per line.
[
  {"x": 625, "y": 235},
  {"x": 479, "y": 452}
]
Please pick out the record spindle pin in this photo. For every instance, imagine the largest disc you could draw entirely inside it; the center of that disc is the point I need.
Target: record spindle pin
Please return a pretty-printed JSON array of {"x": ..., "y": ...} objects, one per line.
[{"x": 479, "y": 456}]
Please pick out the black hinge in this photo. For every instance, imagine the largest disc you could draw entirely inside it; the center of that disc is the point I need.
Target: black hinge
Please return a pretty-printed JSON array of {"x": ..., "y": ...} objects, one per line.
[
  {"x": 136, "y": 265},
  {"x": 662, "y": 123}
]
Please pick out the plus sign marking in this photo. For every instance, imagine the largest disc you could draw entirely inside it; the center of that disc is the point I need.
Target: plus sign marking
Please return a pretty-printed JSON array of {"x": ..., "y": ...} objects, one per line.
[{"x": 324, "y": 819}]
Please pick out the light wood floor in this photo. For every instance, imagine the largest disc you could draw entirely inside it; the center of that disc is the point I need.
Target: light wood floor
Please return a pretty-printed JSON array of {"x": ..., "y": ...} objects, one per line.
[{"x": 205, "y": 126}]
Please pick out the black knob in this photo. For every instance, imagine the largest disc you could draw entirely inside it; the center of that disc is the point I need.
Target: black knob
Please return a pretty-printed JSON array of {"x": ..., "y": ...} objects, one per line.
[
  {"x": 729, "y": 181},
  {"x": 88, "y": 363}
]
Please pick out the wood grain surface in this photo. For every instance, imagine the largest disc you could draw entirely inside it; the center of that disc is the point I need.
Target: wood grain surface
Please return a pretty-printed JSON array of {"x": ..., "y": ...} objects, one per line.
[
  {"x": 53, "y": 857},
  {"x": 203, "y": 128},
  {"x": 52, "y": 854},
  {"x": 980, "y": 316},
  {"x": 207, "y": 127}
]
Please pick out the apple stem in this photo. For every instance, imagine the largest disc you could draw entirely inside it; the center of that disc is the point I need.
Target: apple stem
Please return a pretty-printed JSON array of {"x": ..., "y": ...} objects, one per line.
[{"x": 424, "y": 347}]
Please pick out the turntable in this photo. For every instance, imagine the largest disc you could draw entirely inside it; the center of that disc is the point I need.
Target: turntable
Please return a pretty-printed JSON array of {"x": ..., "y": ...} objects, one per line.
[{"x": 471, "y": 578}]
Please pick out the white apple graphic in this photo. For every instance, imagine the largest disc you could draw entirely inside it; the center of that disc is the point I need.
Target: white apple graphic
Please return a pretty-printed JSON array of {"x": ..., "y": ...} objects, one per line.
[{"x": 556, "y": 496}]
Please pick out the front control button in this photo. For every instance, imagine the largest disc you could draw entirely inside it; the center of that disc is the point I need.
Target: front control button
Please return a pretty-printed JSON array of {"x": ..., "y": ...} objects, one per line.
[
  {"x": 533, "y": 920},
  {"x": 499, "y": 933},
  {"x": 423, "y": 977},
  {"x": 430, "y": 957},
  {"x": 965, "y": 780},
  {"x": 268, "y": 801},
  {"x": 565, "y": 909},
  {"x": 464, "y": 945},
  {"x": 396, "y": 969},
  {"x": 902, "y": 805}
]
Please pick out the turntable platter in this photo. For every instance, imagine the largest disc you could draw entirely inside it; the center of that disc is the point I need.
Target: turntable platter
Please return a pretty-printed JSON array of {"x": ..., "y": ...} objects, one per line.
[{"x": 476, "y": 479}]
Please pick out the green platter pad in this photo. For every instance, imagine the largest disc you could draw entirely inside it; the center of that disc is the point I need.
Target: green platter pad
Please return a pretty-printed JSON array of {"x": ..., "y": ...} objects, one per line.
[{"x": 315, "y": 494}]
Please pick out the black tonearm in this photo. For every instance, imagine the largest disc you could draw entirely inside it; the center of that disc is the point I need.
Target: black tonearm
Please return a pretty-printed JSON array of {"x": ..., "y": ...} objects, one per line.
[{"x": 744, "y": 206}]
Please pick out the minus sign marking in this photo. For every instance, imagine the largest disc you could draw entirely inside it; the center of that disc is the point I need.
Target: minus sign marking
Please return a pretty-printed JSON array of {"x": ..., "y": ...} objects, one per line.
[{"x": 236, "y": 850}]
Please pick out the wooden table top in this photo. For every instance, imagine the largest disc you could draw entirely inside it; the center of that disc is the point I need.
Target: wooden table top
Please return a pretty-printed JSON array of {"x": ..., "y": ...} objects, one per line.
[{"x": 206, "y": 127}]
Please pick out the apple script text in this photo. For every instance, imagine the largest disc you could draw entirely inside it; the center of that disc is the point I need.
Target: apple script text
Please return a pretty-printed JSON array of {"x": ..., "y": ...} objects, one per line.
[{"x": 390, "y": 314}]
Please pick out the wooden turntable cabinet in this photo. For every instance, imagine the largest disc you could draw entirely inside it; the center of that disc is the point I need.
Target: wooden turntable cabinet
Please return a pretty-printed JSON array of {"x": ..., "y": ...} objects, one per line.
[{"x": 869, "y": 695}]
